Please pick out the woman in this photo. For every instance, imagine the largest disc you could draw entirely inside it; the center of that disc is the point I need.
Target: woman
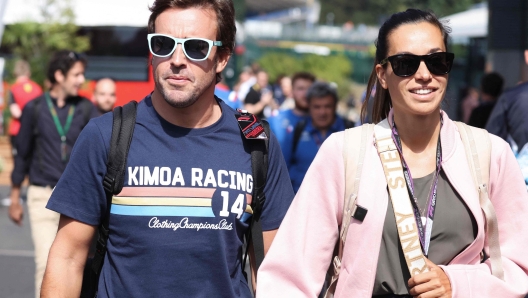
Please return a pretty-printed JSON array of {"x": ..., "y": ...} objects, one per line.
[{"x": 410, "y": 74}]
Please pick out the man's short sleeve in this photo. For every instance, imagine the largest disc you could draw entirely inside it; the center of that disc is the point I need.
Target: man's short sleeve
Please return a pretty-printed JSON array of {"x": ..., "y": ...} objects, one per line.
[
  {"x": 278, "y": 189},
  {"x": 79, "y": 194}
]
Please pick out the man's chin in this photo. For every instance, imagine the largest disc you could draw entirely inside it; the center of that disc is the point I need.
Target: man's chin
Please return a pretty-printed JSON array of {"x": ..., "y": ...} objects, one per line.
[
  {"x": 73, "y": 93},
  {"x": 178, "y": 102}
]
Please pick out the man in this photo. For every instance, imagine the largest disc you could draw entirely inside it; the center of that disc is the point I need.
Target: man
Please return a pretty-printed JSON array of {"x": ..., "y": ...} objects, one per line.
[
  {"x": 246, "y": 79},
  {"x": 286, "y": 120},
  {"x": 285, "y": 86},
  {"x": 301, "y": 144},
  {"x": 508, "y": 117},
  {"x": 223, "y": 92},
  {"x": 490, "y": 90},
  {"x": 50, "y": 125},
  {"x": 176, "y": 229},
  {"x": 22, "y": 91},
  {"x": 259, "y": 100},
  {"x": 104, "y": 96}
]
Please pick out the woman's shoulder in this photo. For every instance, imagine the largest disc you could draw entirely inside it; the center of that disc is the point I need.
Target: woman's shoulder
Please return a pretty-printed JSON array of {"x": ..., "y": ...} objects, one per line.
[{"x": 348, "y": 135}]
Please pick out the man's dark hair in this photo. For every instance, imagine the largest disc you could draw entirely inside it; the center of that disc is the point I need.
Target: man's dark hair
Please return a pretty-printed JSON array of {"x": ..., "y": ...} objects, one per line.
[
  {"x": 491, "y": 84},
  {"x": 303, "y": 76},
  {"x": 320, "y": 90},
  {"x": 63, "y": 61},
  {"x": 225, "y": 15}
]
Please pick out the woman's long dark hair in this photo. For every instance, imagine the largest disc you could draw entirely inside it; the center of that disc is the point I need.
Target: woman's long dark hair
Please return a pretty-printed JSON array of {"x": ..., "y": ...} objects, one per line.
[{"x": 382, "y": 99}]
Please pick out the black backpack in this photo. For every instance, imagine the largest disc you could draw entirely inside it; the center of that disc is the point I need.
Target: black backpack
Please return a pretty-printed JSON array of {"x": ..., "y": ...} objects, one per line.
[{"x": 122, "y": 131}]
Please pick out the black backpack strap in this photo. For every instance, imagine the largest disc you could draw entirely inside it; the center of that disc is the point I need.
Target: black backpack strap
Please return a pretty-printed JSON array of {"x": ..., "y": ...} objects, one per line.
[
  {"x": 122, "y": 131},
  {"x": 259, "y": 166},
  {"x": 297, "y": 132}
]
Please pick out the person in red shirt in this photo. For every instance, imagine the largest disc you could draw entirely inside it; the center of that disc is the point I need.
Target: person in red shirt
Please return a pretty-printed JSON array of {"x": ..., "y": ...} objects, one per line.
[{"x": 22, "y": 91}]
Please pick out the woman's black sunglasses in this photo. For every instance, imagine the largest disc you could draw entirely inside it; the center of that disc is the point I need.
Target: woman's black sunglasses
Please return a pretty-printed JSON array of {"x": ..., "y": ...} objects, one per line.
[{"x": 404, "y": 65}]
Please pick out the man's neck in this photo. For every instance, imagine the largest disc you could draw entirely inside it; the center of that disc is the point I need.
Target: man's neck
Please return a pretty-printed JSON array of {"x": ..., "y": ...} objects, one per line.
[
  {"x": 300, "y": 112},
  {"x": 22, "y": 78},
  {"x": 418, "y": 133},
  {"x": 59, "y": 94},
  {"x": 323, "y": 132},
  {"x": 203, "y": 113}
]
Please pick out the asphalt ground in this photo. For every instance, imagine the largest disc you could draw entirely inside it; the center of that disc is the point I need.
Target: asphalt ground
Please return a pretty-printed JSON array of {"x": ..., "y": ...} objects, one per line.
[{"x": 17, "y": 267}]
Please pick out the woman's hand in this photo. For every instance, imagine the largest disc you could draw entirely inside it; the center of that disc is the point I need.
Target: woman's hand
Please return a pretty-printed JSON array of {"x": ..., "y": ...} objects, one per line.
[{"x": 432, "y": 284}]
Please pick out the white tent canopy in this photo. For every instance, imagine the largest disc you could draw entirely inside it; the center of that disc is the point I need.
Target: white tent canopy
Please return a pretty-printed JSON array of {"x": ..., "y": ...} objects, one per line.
[
  {"x": 470, "y": 23},
  {"x": 134, "y": 13}
]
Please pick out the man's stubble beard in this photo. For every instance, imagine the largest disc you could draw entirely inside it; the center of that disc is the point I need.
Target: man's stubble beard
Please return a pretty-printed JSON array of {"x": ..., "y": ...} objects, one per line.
[{"x": 191, "y": 99}]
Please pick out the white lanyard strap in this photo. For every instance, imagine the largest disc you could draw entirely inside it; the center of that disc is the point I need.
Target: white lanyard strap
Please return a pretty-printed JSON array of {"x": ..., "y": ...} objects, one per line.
[{"x": 401, "y": 202}]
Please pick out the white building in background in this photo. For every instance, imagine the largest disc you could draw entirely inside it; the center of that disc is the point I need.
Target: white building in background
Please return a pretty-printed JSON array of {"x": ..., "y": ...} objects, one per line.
[{"x": 472, "y": 23}]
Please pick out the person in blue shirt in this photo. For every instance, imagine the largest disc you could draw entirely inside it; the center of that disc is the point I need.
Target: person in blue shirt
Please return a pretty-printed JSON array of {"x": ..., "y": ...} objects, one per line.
[
  {"x": 177, "y": 227},
  {"x": 285, "y": 120},
  {"x": 301, "y": 144},
  {"x": 223, "y": 92},
  {"x": 508, "y": 119}
]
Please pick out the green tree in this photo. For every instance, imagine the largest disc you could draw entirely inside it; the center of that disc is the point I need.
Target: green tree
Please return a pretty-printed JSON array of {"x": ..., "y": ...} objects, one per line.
[
  {"x": 334, "y": 68},
  {"x": 35, "y": 42}
]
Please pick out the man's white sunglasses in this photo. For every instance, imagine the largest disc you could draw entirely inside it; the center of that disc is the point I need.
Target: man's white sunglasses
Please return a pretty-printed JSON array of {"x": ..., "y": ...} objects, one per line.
[{"x": 196, "y": 49}]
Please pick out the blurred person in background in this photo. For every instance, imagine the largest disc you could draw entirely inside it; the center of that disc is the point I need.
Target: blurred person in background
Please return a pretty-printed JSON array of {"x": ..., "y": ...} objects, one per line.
[
  {"x": 469, "y": 100},
  {"x": 230, "y": 97},
  {"x": 278, "y": 93},
  {"x": 20, "y": 93},
  {"x": 301, "y": 144},
  {"x": 259, "y": 100},
  {"x": 490, "y": 89},
  {"x": 286, "y": 87},
  {"x": 104, "y": 96},
  {"x": 509, "y": 116},
  {"x": 246, "y": 79},
  {"x": 49, "y": 127},
  {"x": 286, "y": 120}
]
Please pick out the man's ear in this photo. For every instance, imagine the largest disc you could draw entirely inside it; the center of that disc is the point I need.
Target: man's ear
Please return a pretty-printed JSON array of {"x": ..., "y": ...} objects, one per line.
[
  {"x": 381, "y": 73},
  {"x": 222, "y": 58},
  {"x": 59, "y": 76},
  {"x": 526, "y": 56}
]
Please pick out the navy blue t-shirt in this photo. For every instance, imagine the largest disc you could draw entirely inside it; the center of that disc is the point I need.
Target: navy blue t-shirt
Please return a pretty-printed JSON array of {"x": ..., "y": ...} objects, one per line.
[{"x": 176, "y": 229}]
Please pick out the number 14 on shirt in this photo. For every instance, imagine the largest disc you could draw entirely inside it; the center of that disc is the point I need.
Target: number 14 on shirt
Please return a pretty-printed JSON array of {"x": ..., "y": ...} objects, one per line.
[{"x": 237, "y": 208}]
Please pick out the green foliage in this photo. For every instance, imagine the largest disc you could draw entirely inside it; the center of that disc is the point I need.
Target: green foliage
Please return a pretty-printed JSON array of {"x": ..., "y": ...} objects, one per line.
[
  {"x": 373, "y": 11},
  {"x": 335, "y": 68},
  {"x": 240, "y": 9},
  {"x": 36, "y": 42}
]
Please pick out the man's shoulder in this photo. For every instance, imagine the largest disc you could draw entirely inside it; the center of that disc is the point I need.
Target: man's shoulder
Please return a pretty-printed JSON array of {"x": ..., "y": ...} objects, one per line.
[
  {"x": 31, "y": 104},
  {"x": 515, "y": 92},
  {"x": 80, "y": 99}
]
